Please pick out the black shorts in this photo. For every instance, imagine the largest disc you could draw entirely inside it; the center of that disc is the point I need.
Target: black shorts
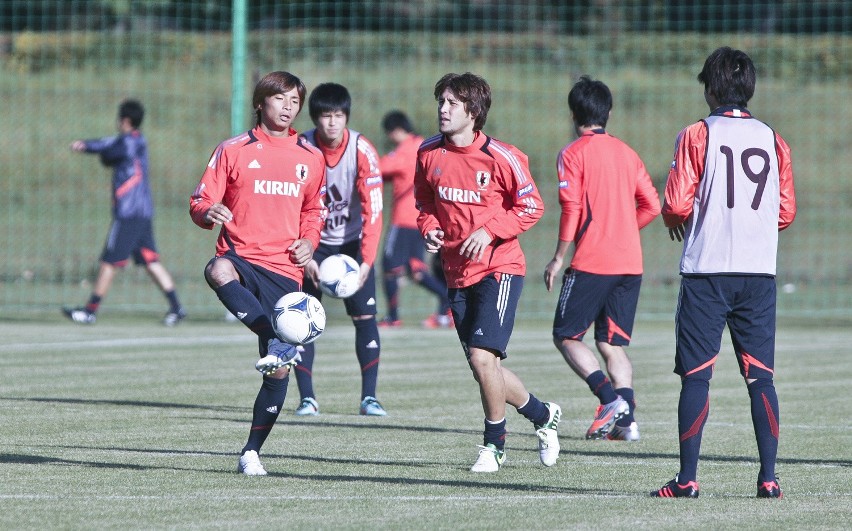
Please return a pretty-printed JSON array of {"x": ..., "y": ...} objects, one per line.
[
  {"x": 484, "y": 313},
  {"x": 130, "y": 237},
  {"x": 267, "y": 286},
  {"x": 706, "y": 304},
  {"x": 404, "y": 248},
  {"x": 363, "y": 302},
  {"x": 609, "y": 301}
]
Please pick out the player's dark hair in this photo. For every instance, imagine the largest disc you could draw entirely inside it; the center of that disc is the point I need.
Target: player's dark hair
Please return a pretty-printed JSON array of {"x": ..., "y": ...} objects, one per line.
[
  {"x": 396, "y": 120},
  {"x": 329, "y": 97},
  {"x": 590, "y": 101},
  {"x": 470, "y": 89},
  {"x": 273, "y": 83},
  {"x": 132, "y": 110},
  {"x": 729, "y": 76}
]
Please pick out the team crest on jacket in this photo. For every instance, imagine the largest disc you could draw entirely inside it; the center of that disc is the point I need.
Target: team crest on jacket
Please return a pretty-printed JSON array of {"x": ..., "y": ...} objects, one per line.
[
  {"x": 482, "y": 179},
  {"x": 301, "y": 172}
]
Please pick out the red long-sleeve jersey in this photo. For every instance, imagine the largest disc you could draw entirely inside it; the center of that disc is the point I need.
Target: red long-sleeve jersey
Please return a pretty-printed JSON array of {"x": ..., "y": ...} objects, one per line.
[
  {"x": 606, "y": 196},
  {"x": 274, "y": 188},
  {"x": 484, "y": 185},
  {"x": 398, "y": 169}
]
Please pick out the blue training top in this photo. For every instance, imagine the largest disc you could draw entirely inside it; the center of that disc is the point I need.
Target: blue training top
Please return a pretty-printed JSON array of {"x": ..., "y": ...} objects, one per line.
[{"x": 127, "y": 154}]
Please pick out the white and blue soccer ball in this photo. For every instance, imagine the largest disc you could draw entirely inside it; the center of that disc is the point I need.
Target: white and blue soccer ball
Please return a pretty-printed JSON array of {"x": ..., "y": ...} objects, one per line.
[
  {"x": 339, "y": 276},
  {"x": 298, "y": 318}
]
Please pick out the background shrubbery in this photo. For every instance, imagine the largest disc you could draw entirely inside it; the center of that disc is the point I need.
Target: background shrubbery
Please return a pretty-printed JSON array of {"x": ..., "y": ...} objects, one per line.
[
  {"x": 560, "y": 16},
  {"x": 817, "y": 58}
]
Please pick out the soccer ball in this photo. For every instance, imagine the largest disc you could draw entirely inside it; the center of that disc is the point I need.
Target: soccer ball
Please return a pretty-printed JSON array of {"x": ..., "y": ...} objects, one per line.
[
  {"x": 298, "y": 318},
  {"x": 339, "y": 276}
]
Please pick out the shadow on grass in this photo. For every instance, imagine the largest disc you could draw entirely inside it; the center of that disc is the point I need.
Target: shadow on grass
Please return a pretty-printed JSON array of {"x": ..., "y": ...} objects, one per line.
[
  {"x": 383, "y": 425},
  {"x": 718, "y": 458},
  {"x": 125, "y": 403},
  {"x": 7, "y": 458}
]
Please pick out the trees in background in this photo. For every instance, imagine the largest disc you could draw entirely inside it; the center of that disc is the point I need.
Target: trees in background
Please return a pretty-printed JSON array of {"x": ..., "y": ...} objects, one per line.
[{"x": 554, "y": 16}]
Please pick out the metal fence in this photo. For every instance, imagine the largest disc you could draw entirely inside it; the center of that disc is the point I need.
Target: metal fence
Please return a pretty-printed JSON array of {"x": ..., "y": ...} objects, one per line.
[{"x": 67, "y": 65}]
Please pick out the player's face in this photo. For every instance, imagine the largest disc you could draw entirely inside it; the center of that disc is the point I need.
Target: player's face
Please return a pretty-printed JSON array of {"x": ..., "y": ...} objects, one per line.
[
  {"x": 330, "y": 127},
  {"x": 453, "y": 119},
  {"x": 279, "y": 110}
]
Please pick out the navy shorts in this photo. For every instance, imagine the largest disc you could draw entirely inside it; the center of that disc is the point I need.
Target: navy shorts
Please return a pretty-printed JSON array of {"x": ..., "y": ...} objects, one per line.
[
  {"x": 404, "y": 248},
  {"x": 363, "y": 302},
  {"x": 266, "y": 286},
  {"x": 609, "y": 301},
  {"x": 130, "y": 237},
  {"x": 484, "y": 313},
  {"x": 706, "y": 304}
]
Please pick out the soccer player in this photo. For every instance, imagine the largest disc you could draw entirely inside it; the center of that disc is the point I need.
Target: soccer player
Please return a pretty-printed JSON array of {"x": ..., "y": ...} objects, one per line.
[
  {"x": 476, "y": 195},
  {"x": 264, "y": 189},
  {"x": 132, "y": 231},
  {"x": 729, "y": 192},
  {"x": 353, "y": 227},
  {"x": 606, "y": 196},
  {"x": 404, "y": 248}
]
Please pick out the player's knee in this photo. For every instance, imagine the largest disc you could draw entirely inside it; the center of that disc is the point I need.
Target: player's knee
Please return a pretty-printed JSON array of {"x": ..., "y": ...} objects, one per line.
[
  {"x": 704, "y": 375},
  {"x": 394, "y": 273},
  {"x": 219, "y": 272},
  {"x": 564, "y": 343},
  {"x": 757, "y": 383},
  {"x": 481, "y": 361}
]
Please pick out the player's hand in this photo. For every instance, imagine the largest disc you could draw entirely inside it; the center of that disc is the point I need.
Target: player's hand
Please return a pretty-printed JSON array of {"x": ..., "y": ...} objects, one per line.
[
  {"x": 312, "y": 272},
  {"x": 551, "y": 271},
  {"x": 218, "y": 214},
  {"x": 434, "y": 240},
  {"x": 78, "y": 145},
  {"x": 676, "y": 233},
  {"x": 475, "y": 244},
  {"x": 301, "y": 252},
  {"x": 363, "y": 274}
]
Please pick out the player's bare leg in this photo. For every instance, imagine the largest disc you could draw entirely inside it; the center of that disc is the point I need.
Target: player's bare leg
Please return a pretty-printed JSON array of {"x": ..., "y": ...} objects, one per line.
[
  {"x": 618, "y": 364},
  {"x": 164, "y": 280},
  {"x": 620, "y": 371},
  {"x": 106, "y": 274},
  {"x": 492, "y": 389},
  {"x": 585, "y": 363},
  {"x": 161, "y": 276},
  {"x": 516, "y": 393}
]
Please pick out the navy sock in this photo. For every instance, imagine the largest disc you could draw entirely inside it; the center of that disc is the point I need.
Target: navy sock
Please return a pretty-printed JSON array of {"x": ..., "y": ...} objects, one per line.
[
  {"x": 535, "y": 411},
  {"x": 692, "y": 411},
  {"x": 392, "y": 294},
  {"x": 601, "y": 387},
  {"x": 240, "y": 302},
  {"x": 627, "y": 394},
  {"x": 93, "y": 304},
  {"x": 267, "y": 406},
  {"x": 174, "y": 303},
  {"x": 368, "y": 348},
  {"x": 304, "y": 372},
  {"x": 495, "y": 433},
  {"x": 765, "y": 417}
]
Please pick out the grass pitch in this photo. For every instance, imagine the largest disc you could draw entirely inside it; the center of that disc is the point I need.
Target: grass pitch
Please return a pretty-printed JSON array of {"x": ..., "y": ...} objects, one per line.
[{"x": 127, "y": 424}]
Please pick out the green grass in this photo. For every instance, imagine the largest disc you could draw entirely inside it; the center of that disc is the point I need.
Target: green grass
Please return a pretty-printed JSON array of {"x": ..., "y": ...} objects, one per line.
[{"x": 127, "y": 424}]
